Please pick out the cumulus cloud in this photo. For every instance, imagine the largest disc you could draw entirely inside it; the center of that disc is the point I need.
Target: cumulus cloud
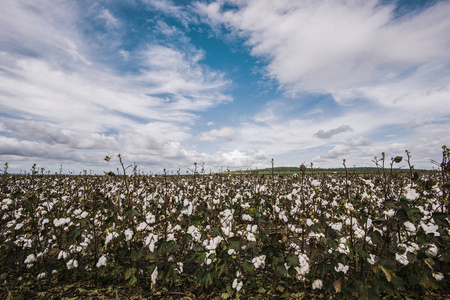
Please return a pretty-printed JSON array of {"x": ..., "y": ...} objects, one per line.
[
  {"x": 381, "y": 67},
  {"x": 321, "y": 134}
]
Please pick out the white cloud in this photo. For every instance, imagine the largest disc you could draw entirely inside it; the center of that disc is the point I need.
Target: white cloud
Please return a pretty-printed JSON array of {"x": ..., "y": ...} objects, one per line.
[
  {"x": 334, "y": 45},
  {"x": 110, "y": 20},
  {"x": 224, "y": 134},
  {"x": 381, "y": 69},
  {"x": 64, "y": 100}
]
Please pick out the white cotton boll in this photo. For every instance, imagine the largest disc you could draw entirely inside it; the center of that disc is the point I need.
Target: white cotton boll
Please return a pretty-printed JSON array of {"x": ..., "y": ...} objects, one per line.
[
  {"x": 42, "y": 276},
  {"x": 231, "y": 252},
  {"x": 237, "y": 285},
  {"x": 303, "y": 267},
  {"x": 438, "y": 275},
  {"x": 317, "y": 284},
  {"x": 309, "y": 222},
  {"x": 315, "y": 183},
  {"x": 390, "y": 213},
  {"x": 62, "y": 254},
  {"x": 18, "y": 226},
  {"x": 402, "y": 258},
  {"x": 246, "y": 217},
  {"x": 430, "y": 228},
  {"x": 259, "y": 261},
  {"x": 349, "y": 206},
  {"x": 101, "y": 261},
  {"x": 180, "y": 267},
  {"x": 11, "y": 223},
  {"x": 412, "y": 195},
  {"x": 30, "y": 259},
  {"x": 251, "y": 237},
  {"x": 336, "y": 226},
  {"x": 55, "y": 272},
  {"x": 154, "y": 276},
  {"x": 341, "y": 268},
  {"x": 371, "y": 259},
  {"x": 60, "y": 222},
  {"x": 171, "y": 237},
  {"x": 432, "y": 251},
  {"x": 409, "y": 226},
  {"x": 110, "y": 236},
  {"x": 71, "y": 264},
  {"x": 128, "y": 234}
]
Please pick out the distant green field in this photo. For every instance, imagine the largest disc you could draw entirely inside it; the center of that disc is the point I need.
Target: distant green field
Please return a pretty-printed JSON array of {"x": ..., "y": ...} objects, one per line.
[{"x": 293, "y": 170}]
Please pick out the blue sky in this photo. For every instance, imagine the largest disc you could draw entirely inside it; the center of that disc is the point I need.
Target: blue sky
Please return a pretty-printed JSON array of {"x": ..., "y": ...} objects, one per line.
[{"x": 222, "y": 83}]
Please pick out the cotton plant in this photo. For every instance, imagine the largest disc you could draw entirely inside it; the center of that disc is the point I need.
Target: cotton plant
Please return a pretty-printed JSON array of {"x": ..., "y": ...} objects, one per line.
[{"x": 307, "y": 232}]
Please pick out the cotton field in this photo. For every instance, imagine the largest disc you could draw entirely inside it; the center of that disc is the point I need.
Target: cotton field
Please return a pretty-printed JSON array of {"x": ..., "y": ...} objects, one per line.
[{"x": 223, "y": 235}]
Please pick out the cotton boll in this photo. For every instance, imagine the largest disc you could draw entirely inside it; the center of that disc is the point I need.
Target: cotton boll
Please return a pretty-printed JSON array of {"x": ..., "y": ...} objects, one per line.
[
  {"x": 409, "y": 226},
  {"x": 341, "y": 268},
  {"x": 154, "y": 275},
  {"x": 317, "y": 284},
  {"x": 101, "y": 261},
  {"x": 432, "y": 251},
  {"x": 438, "y": 275},
  {"x": 30, "y": 259},
  {"x": 371, "y": 259},
  {"x": 128, "y": 235},
  {"x": 402, "y": 258}
]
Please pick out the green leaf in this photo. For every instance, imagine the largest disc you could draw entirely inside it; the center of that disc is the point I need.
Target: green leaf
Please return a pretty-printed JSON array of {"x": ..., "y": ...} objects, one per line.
[
  {"x": 73, "y": 233},
  {"x": 446, "y": 185},
  {"x": 398, "y": 159},
  {"x": 234, "y": 242},
  {"x": 292, "y": 260},
  {"x": 135, "y": 255},
  {"x": 195, "y": 220},
  {"x": 208, "y": 279},
  {"x": 133, "y": 280},
  {"x": 398, "y": 283},
  {"x": 428, "y": 282},
  {"x": 281, "y": 269},
  {"x": 385, "y": 262},
  {"x": 361, "y": 252},
  {"x": 248, "y": 267},
  {"x": 412, "y": 278},
  {"x": 372, "y": 294},
  {"x": 130, "y": 212},
  {"x": 225, "y": 296},
  {"x": 440, "y": 218},
  {"x": 251, "y": 212},
  {"x": 129, "y": 272}
]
